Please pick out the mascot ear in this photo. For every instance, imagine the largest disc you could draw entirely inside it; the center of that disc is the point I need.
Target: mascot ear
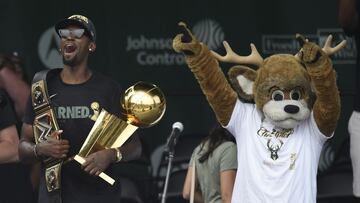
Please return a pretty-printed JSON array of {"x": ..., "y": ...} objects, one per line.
[{"x": 242, "y": 80}]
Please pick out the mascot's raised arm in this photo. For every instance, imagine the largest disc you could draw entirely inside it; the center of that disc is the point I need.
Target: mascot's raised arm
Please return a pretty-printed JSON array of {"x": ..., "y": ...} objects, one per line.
[{"x": 295, "y": 108}]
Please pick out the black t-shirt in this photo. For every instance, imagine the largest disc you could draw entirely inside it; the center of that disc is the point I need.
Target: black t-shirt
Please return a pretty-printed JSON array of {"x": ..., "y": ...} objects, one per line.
[
  {"x": 75, "y": 106},
  {"x": 15, "y": 185}
]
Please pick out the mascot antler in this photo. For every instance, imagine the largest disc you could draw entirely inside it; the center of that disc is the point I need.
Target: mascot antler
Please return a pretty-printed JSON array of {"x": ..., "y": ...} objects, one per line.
[
  {"x": 332, "y": 50},
  {"x": 254, "y": 58}
]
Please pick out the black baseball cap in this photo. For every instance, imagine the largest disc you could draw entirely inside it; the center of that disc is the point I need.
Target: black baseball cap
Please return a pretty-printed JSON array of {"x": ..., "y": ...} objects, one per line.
[{"x": 80, "y": 20}]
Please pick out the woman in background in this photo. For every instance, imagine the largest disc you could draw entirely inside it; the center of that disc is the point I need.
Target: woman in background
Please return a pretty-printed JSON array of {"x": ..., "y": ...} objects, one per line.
[{"x": 215, "y": 161}]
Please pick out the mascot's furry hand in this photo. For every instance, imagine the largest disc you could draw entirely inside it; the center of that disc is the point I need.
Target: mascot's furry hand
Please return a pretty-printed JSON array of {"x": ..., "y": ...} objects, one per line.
[
  {"x": 186, "y": 42},
  {"x": 310, "y": 53},
  {"x": 206, "y": 69},
  {"x": 313, "y": 55}
]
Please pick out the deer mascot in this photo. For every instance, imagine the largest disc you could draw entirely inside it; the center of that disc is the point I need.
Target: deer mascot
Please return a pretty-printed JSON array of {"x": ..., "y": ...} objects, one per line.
[{"x": 294, "y": 110}]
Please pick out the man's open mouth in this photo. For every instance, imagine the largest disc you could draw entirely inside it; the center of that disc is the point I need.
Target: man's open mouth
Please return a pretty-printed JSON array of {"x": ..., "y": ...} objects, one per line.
[{"x": 69, "y": 48}]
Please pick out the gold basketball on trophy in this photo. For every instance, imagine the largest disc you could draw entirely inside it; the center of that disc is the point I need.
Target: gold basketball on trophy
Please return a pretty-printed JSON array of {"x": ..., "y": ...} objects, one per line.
[{"x": 143, "y": 104}]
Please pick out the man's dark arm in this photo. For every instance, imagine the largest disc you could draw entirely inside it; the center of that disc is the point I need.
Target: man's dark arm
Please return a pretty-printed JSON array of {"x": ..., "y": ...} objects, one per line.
[
  {"x": 97, "y": 162},
  {"x": 26, "y": 145},
  {"x": 132, "y": 148},
  {"x": 29, "y": 152}
]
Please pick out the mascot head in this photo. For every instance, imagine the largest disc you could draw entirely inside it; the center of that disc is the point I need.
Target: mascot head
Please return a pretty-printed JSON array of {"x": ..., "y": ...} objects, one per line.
[{"x": 280, "y": 87}]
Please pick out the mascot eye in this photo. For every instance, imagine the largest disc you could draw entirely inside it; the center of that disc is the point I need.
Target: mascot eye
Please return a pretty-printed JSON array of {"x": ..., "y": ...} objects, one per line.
[
  {"x": 295, "y": 95},
  {"x": 277, "y": 95}
]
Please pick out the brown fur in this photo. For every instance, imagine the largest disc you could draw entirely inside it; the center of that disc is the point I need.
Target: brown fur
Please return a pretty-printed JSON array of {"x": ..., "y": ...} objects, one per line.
[
  {"x": 248, "y": 73},
  {"x": 327, "y": 104},
  {"x": 284, "y": 72},
  {"x": 218, "y": 92}
]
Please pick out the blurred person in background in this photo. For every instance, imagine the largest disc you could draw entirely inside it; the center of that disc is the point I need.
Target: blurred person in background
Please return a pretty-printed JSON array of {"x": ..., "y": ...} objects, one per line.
[
  {"x": 215, "y": 162},
  {"x": 349, "y": 21},
  {"x": 14, "y": 176},
  {"x": 13, "y": 79}
]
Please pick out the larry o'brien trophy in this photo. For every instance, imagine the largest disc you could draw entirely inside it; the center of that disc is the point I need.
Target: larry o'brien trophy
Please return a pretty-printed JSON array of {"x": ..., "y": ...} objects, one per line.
[{"x": 142, "y": 104}]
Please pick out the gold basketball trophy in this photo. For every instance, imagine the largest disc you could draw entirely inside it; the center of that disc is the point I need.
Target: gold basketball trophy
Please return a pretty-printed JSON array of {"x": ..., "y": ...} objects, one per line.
[{"x": 142, "y": 104}]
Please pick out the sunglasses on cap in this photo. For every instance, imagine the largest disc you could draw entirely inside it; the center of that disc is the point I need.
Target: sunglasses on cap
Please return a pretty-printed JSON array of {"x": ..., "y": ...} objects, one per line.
[{"x": 76, "y": 33}]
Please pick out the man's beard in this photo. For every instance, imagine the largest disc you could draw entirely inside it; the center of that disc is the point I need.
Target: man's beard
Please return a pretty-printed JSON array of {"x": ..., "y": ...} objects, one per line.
[{"x": 71, "y": 62}]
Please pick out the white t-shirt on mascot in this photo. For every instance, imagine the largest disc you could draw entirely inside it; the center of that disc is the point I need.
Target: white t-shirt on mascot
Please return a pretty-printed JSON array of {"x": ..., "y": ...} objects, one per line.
[{"x": 274, "y": 165}]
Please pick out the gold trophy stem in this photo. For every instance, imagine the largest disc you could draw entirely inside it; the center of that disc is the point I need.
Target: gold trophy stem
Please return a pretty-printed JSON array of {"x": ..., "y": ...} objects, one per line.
[
  {"x": 108, "y": 132},
  {"x": 124, "y": 135},
  {"x": 102, "y": 175}
]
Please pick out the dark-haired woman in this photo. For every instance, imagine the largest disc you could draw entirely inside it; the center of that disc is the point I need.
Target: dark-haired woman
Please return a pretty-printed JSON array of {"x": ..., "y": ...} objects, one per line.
[{"x": 215, "y": 163}]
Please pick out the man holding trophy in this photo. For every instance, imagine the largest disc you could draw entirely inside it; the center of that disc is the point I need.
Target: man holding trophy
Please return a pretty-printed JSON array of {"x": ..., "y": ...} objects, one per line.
[{"x": 54, "y": 132}]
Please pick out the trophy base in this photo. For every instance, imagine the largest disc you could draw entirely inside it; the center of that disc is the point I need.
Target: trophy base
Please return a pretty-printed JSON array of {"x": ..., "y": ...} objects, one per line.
[{"x": 102, "y": 175}]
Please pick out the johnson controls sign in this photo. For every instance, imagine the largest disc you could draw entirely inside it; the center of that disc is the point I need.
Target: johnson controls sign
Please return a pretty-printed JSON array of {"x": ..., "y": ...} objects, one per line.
[{"x": 158, "y": 51}]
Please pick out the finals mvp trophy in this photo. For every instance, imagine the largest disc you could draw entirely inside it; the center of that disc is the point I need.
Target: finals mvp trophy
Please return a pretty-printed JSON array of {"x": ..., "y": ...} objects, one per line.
[{"x": 143, "y": 105}]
